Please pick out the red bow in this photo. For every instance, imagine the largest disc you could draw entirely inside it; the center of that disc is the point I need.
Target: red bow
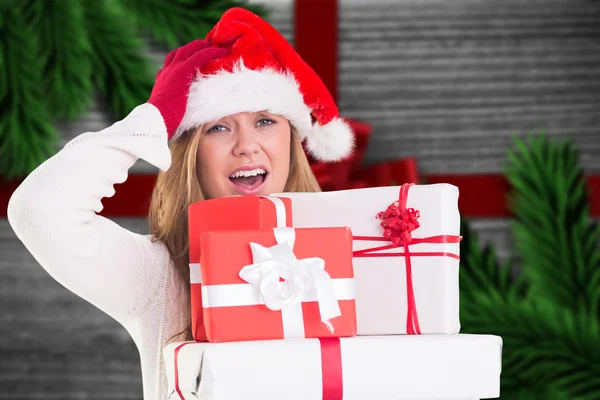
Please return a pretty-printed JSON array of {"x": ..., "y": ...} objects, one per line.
[
  {"x": 350, "y": 174},
  {"x": 398, "y": 223}
]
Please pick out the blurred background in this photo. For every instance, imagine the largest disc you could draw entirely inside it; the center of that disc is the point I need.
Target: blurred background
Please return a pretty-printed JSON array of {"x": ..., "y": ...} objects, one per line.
[{"x": 436, "y": 89}]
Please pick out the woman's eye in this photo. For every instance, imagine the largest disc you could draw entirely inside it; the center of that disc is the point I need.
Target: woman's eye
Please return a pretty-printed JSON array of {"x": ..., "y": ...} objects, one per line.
[
  {"x": 216, "y": 128},
  {"x": 266, "y": 122}
]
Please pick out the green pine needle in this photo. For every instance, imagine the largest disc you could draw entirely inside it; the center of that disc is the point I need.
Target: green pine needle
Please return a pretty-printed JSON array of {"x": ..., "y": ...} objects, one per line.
[
  {"x": 26, "y": 137},
  {"x": 175, "y": 22},
  {"x": 555, "y": 236},
  {"x": 525, "y": 391},
  {"x": 480, "y": 270},
  {"x": 64, "y": 54},
  {"x": 551, "y": 330},
  {"x": 122, "y": 74},
  {"x": 543, "y": 345}
]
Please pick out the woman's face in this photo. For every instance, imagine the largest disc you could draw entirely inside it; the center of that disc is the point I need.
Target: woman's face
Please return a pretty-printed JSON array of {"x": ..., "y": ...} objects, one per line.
[{"x": 245, "y": 153}]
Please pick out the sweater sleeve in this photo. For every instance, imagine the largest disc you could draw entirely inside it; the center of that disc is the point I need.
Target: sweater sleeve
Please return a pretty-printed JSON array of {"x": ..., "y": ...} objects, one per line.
[{"x": 53, "y": 212}]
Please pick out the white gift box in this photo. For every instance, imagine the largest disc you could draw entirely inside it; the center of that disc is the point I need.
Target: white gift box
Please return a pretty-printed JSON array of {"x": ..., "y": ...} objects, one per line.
[
  {"x": 383, "y": 290},
  {"x": 415, "y": 367}
]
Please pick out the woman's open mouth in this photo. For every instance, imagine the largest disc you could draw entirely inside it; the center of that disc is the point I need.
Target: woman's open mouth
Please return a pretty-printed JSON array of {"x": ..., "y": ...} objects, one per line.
[{"x": 248, "y": 181}]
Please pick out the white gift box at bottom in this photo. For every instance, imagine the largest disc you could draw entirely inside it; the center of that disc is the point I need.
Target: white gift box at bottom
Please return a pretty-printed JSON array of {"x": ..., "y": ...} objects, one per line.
[{"x": 415, "y": 367}]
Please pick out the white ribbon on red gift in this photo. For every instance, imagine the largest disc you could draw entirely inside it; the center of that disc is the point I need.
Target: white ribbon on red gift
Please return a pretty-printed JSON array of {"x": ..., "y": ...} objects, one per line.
[{"x": 282, "y": 282}]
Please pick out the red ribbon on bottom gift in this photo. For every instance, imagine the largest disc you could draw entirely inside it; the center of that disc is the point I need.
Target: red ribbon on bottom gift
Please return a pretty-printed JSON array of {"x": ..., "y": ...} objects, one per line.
[
  {"x": 176, "y": 368},
  {"x": 331, "y": 368},
  {"x": 398, "y": 223}
]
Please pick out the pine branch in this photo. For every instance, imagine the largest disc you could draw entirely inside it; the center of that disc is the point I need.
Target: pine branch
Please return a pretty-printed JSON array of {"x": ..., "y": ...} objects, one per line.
[
  {"x": 176, "y": 22},
  {"x": 525, "y": 391},
  {"x": 64, "y": 54},
  {"x": 557, "y": 241},
  {"x": 480, "y": 270},
  {"x": 543, "y": 345},
  {"x": 122, "y": 74},
  {"x": 27, "y": 138}
]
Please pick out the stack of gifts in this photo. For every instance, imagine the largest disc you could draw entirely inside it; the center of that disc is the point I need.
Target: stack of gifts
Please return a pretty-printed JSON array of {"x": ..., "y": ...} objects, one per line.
[{"x": 348, "y": 294}]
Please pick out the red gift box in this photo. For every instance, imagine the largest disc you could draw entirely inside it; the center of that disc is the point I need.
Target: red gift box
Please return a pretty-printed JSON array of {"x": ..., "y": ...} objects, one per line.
[
  {"x": 237, "y": 212},
  {"x": 277, "y": 284}
]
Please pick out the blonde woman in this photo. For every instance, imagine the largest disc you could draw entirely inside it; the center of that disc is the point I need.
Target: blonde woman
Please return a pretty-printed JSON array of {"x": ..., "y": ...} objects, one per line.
[{"x": 227, "y": 116}]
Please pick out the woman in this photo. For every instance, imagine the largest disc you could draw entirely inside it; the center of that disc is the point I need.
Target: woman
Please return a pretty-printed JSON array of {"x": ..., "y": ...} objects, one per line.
[{"x": 226, "y": 117}]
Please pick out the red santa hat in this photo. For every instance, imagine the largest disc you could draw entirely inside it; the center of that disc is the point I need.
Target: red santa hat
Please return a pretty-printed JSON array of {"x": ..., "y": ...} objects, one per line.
[{"x": 262, "y": 71}]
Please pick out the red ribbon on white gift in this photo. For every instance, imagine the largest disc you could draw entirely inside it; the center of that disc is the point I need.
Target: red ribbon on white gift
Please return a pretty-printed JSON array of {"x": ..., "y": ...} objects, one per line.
[
  {"x": 304, "y": 280},
  {"x": 402, "y": 238}
]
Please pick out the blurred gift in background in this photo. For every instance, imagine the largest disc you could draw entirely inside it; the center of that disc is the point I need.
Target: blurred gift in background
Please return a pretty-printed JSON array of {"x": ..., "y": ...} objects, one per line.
[{"x": 500, "y": 98}]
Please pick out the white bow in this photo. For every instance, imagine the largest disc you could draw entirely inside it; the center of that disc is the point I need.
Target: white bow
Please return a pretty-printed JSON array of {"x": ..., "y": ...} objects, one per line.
[{"x": 282, "y": 279}]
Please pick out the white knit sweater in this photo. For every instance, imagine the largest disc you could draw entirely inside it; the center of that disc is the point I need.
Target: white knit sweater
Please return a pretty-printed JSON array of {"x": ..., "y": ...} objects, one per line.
[{"x": 53, "y": 212}]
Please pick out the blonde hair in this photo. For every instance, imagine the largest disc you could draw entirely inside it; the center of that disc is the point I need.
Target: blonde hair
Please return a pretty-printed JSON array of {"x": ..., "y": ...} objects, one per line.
[{"x": 179, "y": 186}]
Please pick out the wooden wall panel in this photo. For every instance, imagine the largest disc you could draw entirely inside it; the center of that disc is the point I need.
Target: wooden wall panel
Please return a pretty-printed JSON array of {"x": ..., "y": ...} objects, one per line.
[{"x": 447, "y": 82}]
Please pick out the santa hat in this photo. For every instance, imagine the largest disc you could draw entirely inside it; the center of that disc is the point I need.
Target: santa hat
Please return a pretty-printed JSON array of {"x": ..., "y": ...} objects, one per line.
[{"x": 262, "y": 71}]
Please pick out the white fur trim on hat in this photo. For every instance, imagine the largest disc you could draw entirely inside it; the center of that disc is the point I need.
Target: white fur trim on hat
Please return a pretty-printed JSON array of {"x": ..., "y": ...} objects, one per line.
[{"x": 246, "y": 90}]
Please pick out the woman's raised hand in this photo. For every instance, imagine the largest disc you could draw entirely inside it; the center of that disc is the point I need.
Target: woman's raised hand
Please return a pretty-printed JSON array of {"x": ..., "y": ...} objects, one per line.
[{"x": 173, "y": 81}]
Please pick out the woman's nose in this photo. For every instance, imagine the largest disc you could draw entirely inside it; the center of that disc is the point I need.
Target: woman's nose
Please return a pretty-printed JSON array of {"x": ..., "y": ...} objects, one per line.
[{"x": 246, "y": 143}]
